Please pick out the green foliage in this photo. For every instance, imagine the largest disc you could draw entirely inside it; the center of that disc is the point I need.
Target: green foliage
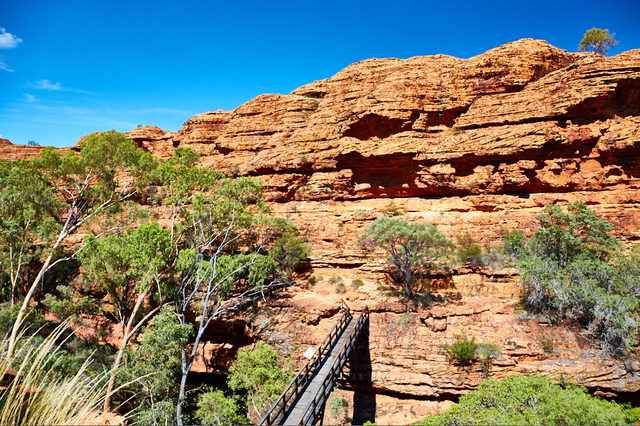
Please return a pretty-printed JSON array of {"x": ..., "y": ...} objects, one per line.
[
  {"x": 485, "y": 354},
  {"x": 463, "y": 351},
  {"x": 70, "y": 303},
  {"x": 534, "y": 400},
  {"x": 547, "y": 342},
  {"x": 288, "y": 251},
  {"x": 565, "y": 236},
  {"x": 214, "y": 408},
  {"x": 571, "y": 268},
  {"x": 338, "y": 408},
  {"x": 598, "y": 41},
  {"x": 513, "y": 242},
  {"x": 392, "y": 209},
  {"x": 261, "y": 374},
  {"x": 155, "y": 366},
  {"x": 313, "y": 280},
  {"x": 8, "y": 313},
  {"x": 28, "y": 207},
  {"x": 468, "y": 250},
  {"x": 357, "y": 283},
  {"x": 341, "y": 288},
  {"x": 128, "y": 264},
  {"x": 411, "y": 245}
]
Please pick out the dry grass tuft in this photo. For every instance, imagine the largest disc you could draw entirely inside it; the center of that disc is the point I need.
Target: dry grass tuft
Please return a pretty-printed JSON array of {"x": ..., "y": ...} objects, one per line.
[{"x": 39, "y": 394}]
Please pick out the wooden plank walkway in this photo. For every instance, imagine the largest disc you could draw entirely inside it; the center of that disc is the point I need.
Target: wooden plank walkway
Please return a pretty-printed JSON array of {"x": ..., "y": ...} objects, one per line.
[
  {"x": 301, "y": 407},
  {"x": 304, "y": 399}
]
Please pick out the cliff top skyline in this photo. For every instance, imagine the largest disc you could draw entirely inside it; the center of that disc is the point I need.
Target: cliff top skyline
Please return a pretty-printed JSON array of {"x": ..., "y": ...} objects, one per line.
[{"x": 69, "y": 69}]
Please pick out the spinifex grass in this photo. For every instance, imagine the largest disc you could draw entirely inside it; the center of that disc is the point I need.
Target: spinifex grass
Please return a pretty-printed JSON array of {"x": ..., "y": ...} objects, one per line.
[{"x": 40, "y": 393}]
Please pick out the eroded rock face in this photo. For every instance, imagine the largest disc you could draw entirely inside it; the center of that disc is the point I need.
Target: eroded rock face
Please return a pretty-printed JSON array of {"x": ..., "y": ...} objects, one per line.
[{"x": 476, "y": 145}]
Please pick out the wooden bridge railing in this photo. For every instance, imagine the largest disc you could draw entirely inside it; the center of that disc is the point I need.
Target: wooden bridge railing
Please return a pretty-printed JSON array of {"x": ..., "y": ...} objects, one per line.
[
  {"x": 315, "y": 408},
  {"x": 291, "y": 392}
]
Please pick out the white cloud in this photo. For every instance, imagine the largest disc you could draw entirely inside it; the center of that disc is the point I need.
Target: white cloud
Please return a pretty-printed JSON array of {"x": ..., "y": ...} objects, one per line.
[
  {"x": 8, "y": 40},
  {"x": 4, "y": 66},
  {"x": 30, "y": 98},
  {"x": 47, "y": 85}
]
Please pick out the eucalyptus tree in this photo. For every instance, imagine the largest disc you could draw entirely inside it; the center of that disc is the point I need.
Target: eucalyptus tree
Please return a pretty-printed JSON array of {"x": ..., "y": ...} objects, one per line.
[
  {"x": 225, "y": 262},
  {"x": 410, "y": 245},
  {"x": 80, "y": 186},
  {"x": 129, "y": 267},
  {"x": 26, "y": 204}
]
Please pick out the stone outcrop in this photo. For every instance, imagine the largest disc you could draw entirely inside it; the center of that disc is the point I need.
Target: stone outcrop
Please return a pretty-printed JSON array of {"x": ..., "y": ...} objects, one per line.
[{"x": 477, "y": 146}]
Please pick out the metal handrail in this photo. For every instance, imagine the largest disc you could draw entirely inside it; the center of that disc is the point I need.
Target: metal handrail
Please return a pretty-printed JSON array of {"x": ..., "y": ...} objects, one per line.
[
  {"x": 302, "y": 378},
  {"x": 314, "y": 408}
]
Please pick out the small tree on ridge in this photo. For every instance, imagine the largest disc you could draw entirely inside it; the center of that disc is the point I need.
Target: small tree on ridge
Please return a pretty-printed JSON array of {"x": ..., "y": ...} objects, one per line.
[{"x": 598, "y": 41}]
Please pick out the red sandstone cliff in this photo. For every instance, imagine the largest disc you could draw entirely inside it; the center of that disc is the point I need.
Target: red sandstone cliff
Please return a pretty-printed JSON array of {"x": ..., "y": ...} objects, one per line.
[{"x": 475, "y": 145}]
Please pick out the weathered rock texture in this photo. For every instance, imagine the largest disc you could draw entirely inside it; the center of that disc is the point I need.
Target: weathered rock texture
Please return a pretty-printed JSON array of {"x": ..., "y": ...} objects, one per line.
[{"x": 475, "y": 145}]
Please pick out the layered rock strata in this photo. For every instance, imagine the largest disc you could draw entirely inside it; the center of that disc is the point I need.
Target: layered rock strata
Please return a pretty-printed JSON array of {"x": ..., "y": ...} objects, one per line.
[{"x": 472, "y": 145}]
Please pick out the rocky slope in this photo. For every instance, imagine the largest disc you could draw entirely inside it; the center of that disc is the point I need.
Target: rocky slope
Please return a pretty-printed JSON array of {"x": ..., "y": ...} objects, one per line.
[{"x": 476, "y": 145}]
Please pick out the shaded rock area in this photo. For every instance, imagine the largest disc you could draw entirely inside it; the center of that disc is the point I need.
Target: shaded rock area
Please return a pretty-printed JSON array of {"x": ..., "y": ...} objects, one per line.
[{"x": 476, "y": 146}]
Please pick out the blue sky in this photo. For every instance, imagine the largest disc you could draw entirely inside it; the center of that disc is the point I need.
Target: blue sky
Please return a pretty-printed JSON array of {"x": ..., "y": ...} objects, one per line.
[{"x": 69, "y": 68}]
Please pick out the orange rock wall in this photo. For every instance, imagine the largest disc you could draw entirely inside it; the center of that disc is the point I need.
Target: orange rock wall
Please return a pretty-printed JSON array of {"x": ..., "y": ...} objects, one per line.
[{"x": 473, "y": 145}]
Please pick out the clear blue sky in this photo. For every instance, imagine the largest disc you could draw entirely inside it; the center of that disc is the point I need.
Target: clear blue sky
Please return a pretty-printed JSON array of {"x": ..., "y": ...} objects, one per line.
[{"x": 68, "y": 68}]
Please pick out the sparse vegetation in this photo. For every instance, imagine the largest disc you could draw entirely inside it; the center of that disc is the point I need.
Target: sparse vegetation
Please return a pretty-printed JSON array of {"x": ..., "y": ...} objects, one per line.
[
  {"x": 357, "y": 283},
  {"x": 392, "y": 209},
  {"x": 468, "y": 250},
  {"x": 341, "y": 288},
  {"x": 411, "y": 246},
  {"x": 598, "y": 41},
  {"x": 572, "y": 269},
  {"x": 465, "y": 351},
  {"x": 338, "y": 408},
  {"x": 547, "y": 341}
]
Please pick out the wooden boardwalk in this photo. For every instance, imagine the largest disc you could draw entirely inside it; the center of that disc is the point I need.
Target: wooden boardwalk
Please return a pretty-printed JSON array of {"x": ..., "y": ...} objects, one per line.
[{"x": 303, "y": 401}]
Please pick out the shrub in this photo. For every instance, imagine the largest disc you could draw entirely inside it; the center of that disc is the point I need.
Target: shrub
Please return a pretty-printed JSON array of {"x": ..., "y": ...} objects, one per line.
[
  {"x": 341, "y": 288},
  {"x": 572, "y": 269},
  {"x": 335, "y": 280},
  {"x": 485, "y": 354},
  {"x": 357, "y": 283},
  {"x": 314, "y": 280},
  {"x": 547, "y": 342},
  {"x": 338, "y": 408},
  {"x": 288, "y": 250},
  {"x": 214, "y": 408},
  {"x": 261, "y": 374},
  {"x": 513, "y": 242},
  {"x": 469, "y": 251},
  {"x": 533, "y": 400},
  {"x": 392, "y": 209},
  {"x": 463, "y": 351}
]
